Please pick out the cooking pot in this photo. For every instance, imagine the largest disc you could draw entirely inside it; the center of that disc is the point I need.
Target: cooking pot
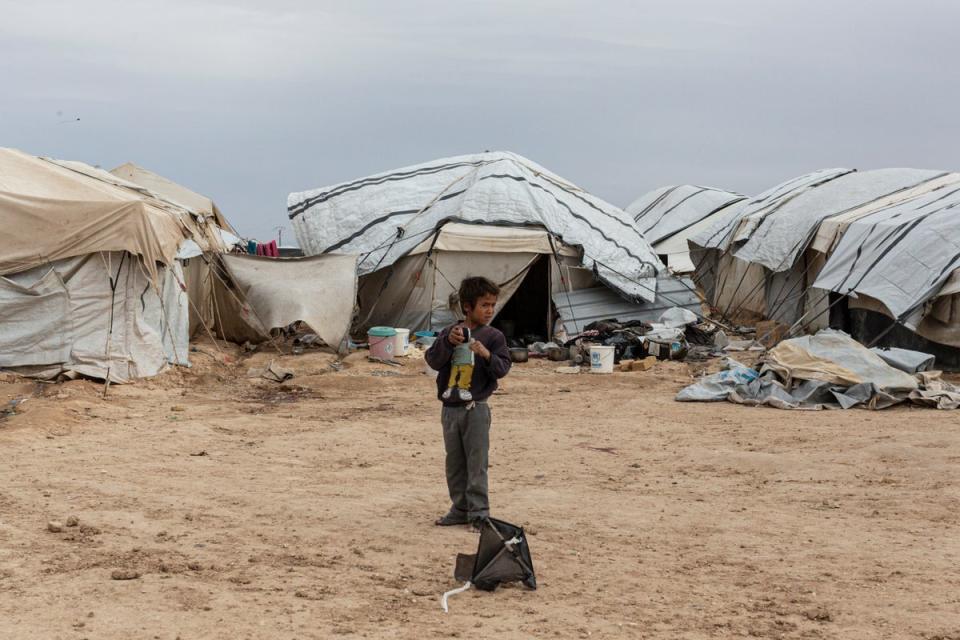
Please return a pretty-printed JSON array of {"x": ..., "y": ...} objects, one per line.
[
  {"x": 558, "y": 354},
  {"x": 519, "y": 354}
]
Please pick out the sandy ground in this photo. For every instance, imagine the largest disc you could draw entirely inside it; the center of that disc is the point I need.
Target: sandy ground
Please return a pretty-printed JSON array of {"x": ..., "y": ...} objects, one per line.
[{"x": 251, "y": 509}]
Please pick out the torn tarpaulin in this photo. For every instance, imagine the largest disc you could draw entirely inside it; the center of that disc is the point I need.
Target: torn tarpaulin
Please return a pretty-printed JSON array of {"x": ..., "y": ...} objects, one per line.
[{"x": 827, "y": 370}]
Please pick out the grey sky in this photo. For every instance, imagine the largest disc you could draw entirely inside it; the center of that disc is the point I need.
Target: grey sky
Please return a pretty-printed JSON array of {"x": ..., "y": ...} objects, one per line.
[{"x": 247, "y": 101}]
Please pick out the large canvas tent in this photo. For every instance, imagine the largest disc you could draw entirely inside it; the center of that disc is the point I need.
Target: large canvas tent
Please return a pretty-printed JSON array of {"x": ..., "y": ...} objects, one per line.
[
  {"x": 89, "y": 280},
  {"x": 418, "y": 230},
  {"x": 244, "y": 298},
  {"x": 668, "y": 216},
  {"x": 173, "y": 192}
]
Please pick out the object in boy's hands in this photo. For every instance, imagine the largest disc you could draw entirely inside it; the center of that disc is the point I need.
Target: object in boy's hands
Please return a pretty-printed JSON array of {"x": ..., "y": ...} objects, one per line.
[{"x": 461, "y": 370}]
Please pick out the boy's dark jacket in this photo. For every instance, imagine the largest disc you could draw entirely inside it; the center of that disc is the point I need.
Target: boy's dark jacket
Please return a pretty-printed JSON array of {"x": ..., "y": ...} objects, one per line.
[{"x": 485, "y": 372}]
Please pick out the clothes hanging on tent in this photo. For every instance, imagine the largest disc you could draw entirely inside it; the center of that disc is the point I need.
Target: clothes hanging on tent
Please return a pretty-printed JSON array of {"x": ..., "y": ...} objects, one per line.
[{"x": 268, "y": 249}]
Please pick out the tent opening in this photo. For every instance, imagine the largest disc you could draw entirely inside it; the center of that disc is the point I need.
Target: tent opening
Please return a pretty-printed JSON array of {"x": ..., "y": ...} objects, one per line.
[{"x": 528, "y": 312}]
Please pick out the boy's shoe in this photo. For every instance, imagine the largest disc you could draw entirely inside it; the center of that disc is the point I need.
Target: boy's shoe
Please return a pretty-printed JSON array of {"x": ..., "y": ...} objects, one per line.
[
  {"x": 451, "y": 519},
  {"x": 465, "y": 395},
  {"x": 477, "y": 524},
  {"x": 446, "y": 394}
]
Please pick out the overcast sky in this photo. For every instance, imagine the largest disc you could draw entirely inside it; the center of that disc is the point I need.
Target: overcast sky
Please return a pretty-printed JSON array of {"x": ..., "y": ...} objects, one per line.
[{"x": 247, "y": 101}]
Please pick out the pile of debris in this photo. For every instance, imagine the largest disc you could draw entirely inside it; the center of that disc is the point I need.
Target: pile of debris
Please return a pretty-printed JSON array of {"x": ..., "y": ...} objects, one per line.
[
  {"x": 828, "y": 370},
  {"x": 677, "y": 335}
]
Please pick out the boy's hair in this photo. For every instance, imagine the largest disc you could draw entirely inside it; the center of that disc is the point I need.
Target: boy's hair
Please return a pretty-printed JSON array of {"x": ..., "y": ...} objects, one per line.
[{"x": 472, "y": 289}]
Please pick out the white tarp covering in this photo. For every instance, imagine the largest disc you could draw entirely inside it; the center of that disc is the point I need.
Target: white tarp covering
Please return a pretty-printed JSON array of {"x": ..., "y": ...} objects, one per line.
[
  {"x": 320, "y": 291},
  {"x": 668, "y": 211},
  {"x": 779, "y": 236},
  {"x": 64, "y": 316},
  {"x": 385, "y": 216},
  {"x": 751, "y": 212},
  {"x": 901, "y": 255}
]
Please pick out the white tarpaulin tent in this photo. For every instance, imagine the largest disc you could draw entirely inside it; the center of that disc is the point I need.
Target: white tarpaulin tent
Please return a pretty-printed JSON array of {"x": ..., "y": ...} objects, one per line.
[
  {"x": 758, "y": 261},
  {"x": 668, "y": 216},
  {"x": 905, "y": 256},
  {"x": 415, "y": 291},
  {"x": 89, "y": 282},
  {"x": 882, "y": 241},
  {"x": 385, "y": 216}
]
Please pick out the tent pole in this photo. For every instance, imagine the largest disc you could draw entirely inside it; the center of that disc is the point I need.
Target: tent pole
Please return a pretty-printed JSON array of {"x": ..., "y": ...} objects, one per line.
[
  {"x": 113, "y": 296},
  {"x": 195, "y": 308},
  {"x": 564, "y": 282}
]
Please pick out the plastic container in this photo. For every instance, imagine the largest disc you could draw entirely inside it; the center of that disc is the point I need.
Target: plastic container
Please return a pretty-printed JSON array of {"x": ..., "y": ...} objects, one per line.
[
  {"x": 601, "y": 359},
  {"x": 382, "y": 342},
  {"x": 401, "y": 344}
]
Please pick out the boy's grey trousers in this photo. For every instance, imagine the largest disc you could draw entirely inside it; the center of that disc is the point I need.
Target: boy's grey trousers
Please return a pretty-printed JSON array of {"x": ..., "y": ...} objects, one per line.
[{"x": 466, "y": 437}]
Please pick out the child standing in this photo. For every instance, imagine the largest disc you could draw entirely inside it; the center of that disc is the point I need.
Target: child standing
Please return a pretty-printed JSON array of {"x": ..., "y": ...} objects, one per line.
[{"x": 470, "y": 357}]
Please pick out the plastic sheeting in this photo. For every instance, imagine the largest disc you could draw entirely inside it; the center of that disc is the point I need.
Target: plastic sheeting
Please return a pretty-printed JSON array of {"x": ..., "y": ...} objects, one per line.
[
  {"x": 320, "y": 291},
  {"x": 901, "y": 255},
  {"x": 385, "y": 216},
  {"x": 834, "y": 357},
  {"x": 579, "y": 308},
  {"x": 65, "y": 317},
  {"x": 667, "y": 211},
  {"x": 751, "y": 212},
  {"x": 828, "y": 370},
  {"x": 776, "y": 237}
]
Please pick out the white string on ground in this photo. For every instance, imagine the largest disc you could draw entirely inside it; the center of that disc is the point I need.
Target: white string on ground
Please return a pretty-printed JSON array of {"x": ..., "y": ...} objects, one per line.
[{"x": 453, "y": 592}]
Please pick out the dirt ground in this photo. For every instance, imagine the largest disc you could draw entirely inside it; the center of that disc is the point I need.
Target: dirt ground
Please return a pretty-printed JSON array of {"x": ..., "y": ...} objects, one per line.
[{"x": 251, "y": 509}]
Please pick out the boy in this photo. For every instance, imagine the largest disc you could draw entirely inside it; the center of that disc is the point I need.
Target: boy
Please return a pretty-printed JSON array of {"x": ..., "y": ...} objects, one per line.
[{"x": 470, "y": 357}]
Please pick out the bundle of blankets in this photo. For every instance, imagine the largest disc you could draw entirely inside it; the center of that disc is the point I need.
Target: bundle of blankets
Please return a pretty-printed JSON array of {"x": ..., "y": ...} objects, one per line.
[{"x": 829, "y": 370}]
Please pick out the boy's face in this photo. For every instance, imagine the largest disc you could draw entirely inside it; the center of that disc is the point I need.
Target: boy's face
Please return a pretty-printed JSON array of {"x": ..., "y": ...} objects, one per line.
[{"x": 482, "y": 311}]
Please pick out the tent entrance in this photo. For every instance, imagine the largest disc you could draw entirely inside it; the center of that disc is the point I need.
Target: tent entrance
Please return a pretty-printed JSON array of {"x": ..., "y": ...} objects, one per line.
[{"x": 528, "y": 312}]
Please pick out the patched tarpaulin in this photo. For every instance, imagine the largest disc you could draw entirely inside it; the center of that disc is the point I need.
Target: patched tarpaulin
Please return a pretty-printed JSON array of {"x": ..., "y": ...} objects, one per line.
[
  {"x": 827, "y": 370},
  {"x": 384, "y": 216},
  {"x": 901, "y": 255},
  {"x": 776, "y": 238},
  {"x": 667, "y": 211},
  {"x": 721, "y": 235}
]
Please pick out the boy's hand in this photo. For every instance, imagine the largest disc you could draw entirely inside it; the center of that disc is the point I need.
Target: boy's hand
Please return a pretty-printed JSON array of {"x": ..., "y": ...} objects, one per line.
[
  {"x": 456, "y": 335},
  {"x": 477, "y": 347}
]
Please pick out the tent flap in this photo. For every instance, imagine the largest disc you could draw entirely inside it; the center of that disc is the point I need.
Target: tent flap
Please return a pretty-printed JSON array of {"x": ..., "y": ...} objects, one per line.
[{"x": 320, "y": 291}]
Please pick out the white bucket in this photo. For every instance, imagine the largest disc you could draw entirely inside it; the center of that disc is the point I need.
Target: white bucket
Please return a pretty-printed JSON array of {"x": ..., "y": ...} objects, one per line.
[
  {"x": 401, "y": 345},
  {"x": 601, "y": 359}
]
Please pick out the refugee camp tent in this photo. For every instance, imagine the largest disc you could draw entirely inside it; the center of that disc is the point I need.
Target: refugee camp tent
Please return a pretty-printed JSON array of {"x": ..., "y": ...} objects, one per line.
[
  {"x": 900, "y": 259},
  {"x": 418, "y": 230},
  {"x": 174, "y": 192},
  {"x": 199, "y": 271},
  {"x": 769, "y": 259},
  {"x": 668, "y": 216},
  {"x": 89, "y": 281},
  {"x": 766, "y": 241}
]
